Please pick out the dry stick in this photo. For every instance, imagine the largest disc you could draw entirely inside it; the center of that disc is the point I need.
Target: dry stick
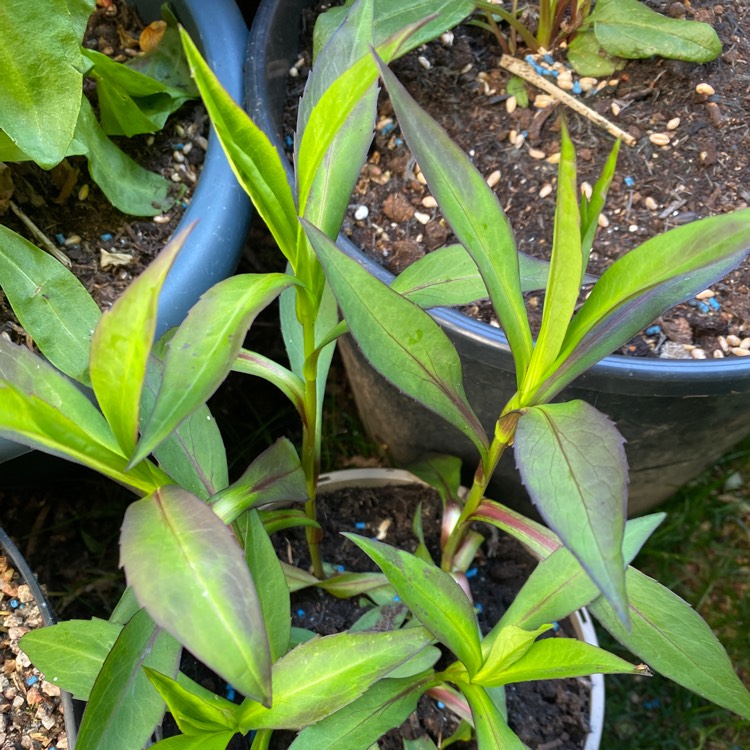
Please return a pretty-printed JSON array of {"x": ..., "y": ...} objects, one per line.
[
  {"x": 525, "y": 71},
  {"x": 41, "y": 237}
]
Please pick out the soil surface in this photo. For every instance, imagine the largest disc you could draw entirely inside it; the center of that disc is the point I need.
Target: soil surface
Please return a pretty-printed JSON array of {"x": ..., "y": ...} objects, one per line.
[
  {"x": 106, "y": 247},
  {"x": 703, "y": 170}
]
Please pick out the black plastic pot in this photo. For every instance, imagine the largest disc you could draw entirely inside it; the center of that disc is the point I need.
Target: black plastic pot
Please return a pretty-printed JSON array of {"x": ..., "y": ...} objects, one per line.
[
  {"x": 219, "y": 205},
  {"x": 677, "y": 416},
  {"x": 18, "y": 562}
]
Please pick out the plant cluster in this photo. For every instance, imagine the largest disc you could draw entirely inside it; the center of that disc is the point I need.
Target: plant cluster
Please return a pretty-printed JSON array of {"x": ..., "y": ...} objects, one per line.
[
  {"x": 199, "y": 561},
  {"x": 45, "y": 116}
]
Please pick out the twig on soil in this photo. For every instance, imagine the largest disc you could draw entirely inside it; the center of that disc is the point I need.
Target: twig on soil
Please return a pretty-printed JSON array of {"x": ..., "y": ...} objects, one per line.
[
  {"x": 41, "y": 237},
  {"x": 525, "y": 71}
]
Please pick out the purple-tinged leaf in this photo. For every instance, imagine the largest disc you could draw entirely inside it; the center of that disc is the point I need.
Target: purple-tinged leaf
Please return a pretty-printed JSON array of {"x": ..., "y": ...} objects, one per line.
[
  {"x": 573, "y": 464},
  {"x": 203, "y": 593},
  {"x": 640, "y": 286},
  {"x": 252, "y": 363},
  {"x": 204, "y": 348},
  {"x": 472, "y": 210},
  {"x": 399, "y": 339},
  {"x": 121, "y": 344},
  {"x": 674, "y": 640},
  {"x": 419, "y": 584}
]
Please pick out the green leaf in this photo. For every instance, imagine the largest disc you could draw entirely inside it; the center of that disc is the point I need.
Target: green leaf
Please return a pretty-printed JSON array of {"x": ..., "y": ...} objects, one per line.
[
  {"x": 588, "y": 58},
  {"x": 573, "y": 464},
  {"x": 559, "y": 585},
  {"x": 592, "y": 208},
  {"x": 124, "y": 707},
  {"x": 253, "y": 363},
  {"x": 391, "y": 16},
  {"x": 401, "y": 341},
  {"x": 360, "y": 724},
  {"x": 269, "y": 579},
  {"x": 558, "y": 658},
  {"x": 419, "y": 584},
  {"x": 193, "y": 713},
  {"x": 509, "y": 645},
  {"x": 252, "y": 156},
  {"x": 325, "y": 674},
  {"x": 443, "y": 473},
  {"x": 390, "y": 616},
  {"x": 448, "y": 277},
  {"x": 128, "y": 186},
  {"x": 217, "y": 741},
  {"x": 630, "y": 29},
  {"x": 121, "y": 344},
  {"x": 71, "y": 653},
  {"x": 50, "y": 302},
  {"x": 276, "y": 475},
  {"x": 42, "y": 66},
  {"x": 193, "y": 455},
  {"x": 492, "y": 731},
  {"x": 640, "y": 286},
  {"x": 473, "y": 211},
  {"x": 673, "y": 639},
  {"x": 204, "y": 594},
  {"x": 131, "y": 103},
  {"x": 566, "y": 270},
  {"x": 203, "y": 350}
]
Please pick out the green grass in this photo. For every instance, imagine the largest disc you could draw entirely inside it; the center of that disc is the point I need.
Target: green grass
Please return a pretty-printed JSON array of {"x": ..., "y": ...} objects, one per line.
[{"x": 702, "y": 553}]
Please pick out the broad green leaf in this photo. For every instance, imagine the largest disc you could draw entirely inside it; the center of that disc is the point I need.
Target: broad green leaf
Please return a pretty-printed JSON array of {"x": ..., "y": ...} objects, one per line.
[
  {"x": 121, "y": 344},
  {"x": 50, "y": 302},
  {"x": 630, "y": 29},
  {"x": 674, "y": 640},
  {"x": 253, "y": 363},
  {"x": 131, "y": 103},
  {"x": 425, "y": 660},
  {"x": 401, "y": 341},
  {"x": 588, "y": 58},
  {"x": 32, "y": 421},
  {"x": 559, "y": 585},
  {"x": 443, "y": 473},
  {"x": 275, "y": 476},
  {"x": 124, "y": 707},
  {"x": 573, "y": 464},
  {"x": 448, "y": 277},
  {"x": 204, "y": 594},
  {"x": 128, "y": 186},
  {"x": 473, "y": 211},
  {"x": 419, "y": 584},
  {"x": 193, "y": 455},
  {"x": 204, "y": 348},
  {"x": 269, "y": 579},
  {"x": 325, "y": 674},
  {"x": 71, "y": 653},
  {"x": 492, "y": 731},
  {"x": 213, "y": 741},
  {"x": 640, "y": 286},
  {"x": 558, "y": 658},
  {"x": 194, "y": 715},
  {"x": 252, "y": 156},
  {"x": 391, "y": 16},
  {"x": 360, "y": 724},
  {"x": 566, "y": 270},
  {"x": 510, "y": 644},
  {"x": 42, "y": 65}
]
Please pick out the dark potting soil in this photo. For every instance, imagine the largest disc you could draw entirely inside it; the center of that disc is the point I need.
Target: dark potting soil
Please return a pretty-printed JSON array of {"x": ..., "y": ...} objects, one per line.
[
  {"x": 540, "y": 713},
  {"x": 704, "y": 170},
  {"x": 106, "y": 247}
]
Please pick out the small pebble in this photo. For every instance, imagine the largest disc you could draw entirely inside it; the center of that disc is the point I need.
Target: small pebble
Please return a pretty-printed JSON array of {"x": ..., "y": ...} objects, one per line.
[
  {"x": 494, "y": 178},
  {"x": 650, "y": 203},
  {"x": 510, "y": 104},
  {"x": 587, "y": 190},
  {"x": 587, "y": 83},
  {"x": 553, "y": 158},
  {"x": 738, "y": 351},
  {"x": 745, "y": 343},
  {"x": 698, "y": 354},
  {"x": 659, "y": 139},
  {"x": 633, "y": 228},
  {"x": 424, "y": 62},
  {"x": 705, "y": 294},
  {"x": 180, "y": 130},
  {"x": 150, "y": 140},
  {"x": 616, "y": 109},
  {"x": 603, "y": 221},
  {"x": 187, "y": 148},
  {"x": 422, "y": 218},
  {"x": 673, "y": 124},
  {"x": 74, "y": 239},
  {"x": 429, "y": 202},
  {"x": 543, "y": 100},
  {"x": 447, "y": 38},
  {"x": 83, "y": 193},
  {"x": 178, "y": 156},
  {"x": 546, "y": 190},
  {"x": 161, "y": 219},
  {"x": 705, "y": 89},
  {"x": 722, "y": 343},
  {"x": 733, "y": 340},
  {"x": 536, "y": 153},
  {"x": 718, "y": 354},
  {"x": 361, "y": 213}
]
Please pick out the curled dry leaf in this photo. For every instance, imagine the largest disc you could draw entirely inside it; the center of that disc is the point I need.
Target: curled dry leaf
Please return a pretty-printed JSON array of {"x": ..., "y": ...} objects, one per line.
[{"x": 152, "y": 35}]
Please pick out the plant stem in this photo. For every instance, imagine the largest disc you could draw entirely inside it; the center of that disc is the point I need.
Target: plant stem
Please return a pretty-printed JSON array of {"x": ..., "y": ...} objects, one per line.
[{"x": 262, "y": 739}]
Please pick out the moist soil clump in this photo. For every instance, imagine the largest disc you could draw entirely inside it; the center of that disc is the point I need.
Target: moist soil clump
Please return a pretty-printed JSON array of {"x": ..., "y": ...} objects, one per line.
[
  {"x": 703, "y": 170},
  {"x": 106, "y": 247}
]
